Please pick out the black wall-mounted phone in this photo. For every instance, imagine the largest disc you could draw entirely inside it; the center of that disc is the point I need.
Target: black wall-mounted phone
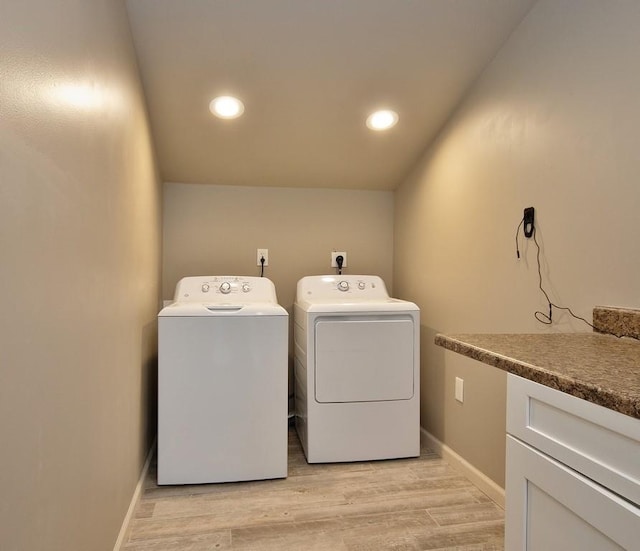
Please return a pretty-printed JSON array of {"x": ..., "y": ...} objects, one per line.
[{"x": 528, "y": 221}]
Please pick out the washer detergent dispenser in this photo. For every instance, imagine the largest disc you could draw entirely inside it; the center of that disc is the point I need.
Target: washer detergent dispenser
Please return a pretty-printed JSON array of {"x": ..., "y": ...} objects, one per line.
[
  {"x": 222, "y": 382},
  {"x": 357, "y": 370}
]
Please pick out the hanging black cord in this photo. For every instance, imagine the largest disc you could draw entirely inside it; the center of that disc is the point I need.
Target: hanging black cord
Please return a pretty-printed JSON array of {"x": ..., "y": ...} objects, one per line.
[
  {"x": 541, "y": 316},
  {"x": 547, "y": 319},
  {"x": 262, "y": 266},
  {"x": 517, "y": 232}
]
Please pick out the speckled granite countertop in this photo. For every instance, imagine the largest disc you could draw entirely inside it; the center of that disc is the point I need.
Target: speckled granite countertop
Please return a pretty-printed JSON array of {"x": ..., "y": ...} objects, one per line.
[{"x": 602, "y": 369}]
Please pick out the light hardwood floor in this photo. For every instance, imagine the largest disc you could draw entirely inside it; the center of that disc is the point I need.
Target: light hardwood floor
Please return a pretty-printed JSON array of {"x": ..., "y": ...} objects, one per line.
[{"x": 401, "y": 505}]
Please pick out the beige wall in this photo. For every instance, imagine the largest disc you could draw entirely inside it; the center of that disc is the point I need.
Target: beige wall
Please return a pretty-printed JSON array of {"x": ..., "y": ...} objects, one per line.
[
  {"x": 215, "y": 230},
  {"x": 79, "y": 277},
  {"x": 552, "y": 123}
]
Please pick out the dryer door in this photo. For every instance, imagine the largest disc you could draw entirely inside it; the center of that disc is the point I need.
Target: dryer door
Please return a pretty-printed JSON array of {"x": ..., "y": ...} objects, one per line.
[{"x": 364, "y": 358}]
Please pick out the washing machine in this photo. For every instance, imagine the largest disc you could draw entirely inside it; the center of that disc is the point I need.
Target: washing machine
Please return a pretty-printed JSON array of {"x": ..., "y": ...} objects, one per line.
[
  {"x": 357, "y": 370},
  {"x": 222, "y": 382}
]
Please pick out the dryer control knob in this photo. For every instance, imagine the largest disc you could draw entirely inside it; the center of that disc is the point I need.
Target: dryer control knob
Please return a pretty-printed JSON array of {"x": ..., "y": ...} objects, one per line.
[
  {"x": 205, "y": 287},
  {"x": 361, "y": 285},
  {"x": 246, "y": 288},
  {"x": 225, "y": 288},
  {"x": 343, "y": 285}
]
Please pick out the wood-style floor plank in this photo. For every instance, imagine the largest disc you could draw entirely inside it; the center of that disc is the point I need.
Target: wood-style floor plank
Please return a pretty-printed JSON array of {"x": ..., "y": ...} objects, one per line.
[{"x": 401, "y": 505}]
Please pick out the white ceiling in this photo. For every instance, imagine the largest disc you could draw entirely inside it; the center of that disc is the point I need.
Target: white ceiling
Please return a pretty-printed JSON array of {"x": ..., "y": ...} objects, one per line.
[{"x": 309, "y": 72}]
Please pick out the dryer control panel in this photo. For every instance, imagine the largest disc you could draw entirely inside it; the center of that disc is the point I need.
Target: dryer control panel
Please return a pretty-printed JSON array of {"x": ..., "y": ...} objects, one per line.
[
  {"x": 225, "y": 289},
  {"x": 342, "y": 287}
]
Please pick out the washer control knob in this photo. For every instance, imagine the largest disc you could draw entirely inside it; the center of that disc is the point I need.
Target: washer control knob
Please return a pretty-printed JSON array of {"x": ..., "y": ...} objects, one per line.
[
  {"x": 361, "y": 285},
  {"x": 225, "y": 288},
  {"x": 246, "y": 288},
  {"x": 205, "y": 287},
  {"x": 343, "y": 286}
]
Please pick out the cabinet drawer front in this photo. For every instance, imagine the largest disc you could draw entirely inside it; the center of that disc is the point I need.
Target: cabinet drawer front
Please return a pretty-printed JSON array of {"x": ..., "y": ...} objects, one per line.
[
  {"x": 550, "y": 506},
  {"x": 600, "y": 443}
]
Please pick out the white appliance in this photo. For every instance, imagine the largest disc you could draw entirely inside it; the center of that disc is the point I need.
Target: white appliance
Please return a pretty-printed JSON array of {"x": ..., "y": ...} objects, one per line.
[
  {"x": 222, "y": 382},
  {"x": 357, "y": 371}
]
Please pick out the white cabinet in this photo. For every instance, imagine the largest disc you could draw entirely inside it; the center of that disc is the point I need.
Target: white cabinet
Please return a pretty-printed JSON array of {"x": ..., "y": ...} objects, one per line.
[{"x": 573, "y": 473}]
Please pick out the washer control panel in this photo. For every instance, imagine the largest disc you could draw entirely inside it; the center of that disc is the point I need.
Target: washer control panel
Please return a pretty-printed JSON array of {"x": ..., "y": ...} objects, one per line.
[
  {"x": 342, "y": 287},
  {"x": 225, "y": 290}
]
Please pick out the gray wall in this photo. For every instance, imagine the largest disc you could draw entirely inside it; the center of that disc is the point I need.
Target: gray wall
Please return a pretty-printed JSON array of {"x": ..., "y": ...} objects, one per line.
[
  {"x": 215, "y": 230},
  {"x": 79, "y": 281},
  {"x": 551, "y": 123}
]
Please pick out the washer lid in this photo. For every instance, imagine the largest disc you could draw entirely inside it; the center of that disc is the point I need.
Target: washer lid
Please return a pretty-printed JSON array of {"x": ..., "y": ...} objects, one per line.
[{"x": 209, "y": 309}]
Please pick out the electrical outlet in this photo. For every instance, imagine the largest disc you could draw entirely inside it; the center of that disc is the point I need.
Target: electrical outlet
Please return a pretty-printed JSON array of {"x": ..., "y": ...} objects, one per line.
[
  {"x": 459, "y": 389},
  {"x": 335, "y": 254},
  {"x": 262, "y": 253}
]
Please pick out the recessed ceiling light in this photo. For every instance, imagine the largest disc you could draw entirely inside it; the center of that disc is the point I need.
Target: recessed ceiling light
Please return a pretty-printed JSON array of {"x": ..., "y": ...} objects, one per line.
[
  {"x": 226, "y": 107},
  {"x": 382, "y": 120}
]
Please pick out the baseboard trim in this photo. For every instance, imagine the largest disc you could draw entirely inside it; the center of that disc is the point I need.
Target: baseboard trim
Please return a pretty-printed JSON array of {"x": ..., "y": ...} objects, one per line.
[
  {"x": 482, "y": 481},
  {"x": 134, "y": 500}
]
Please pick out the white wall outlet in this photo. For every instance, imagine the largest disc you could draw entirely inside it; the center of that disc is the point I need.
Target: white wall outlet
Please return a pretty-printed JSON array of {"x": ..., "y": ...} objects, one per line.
[
  {"x": 335, "y": 254},
  {"x": 459, "y": 389},
  {"x": 262, "y": 253}
]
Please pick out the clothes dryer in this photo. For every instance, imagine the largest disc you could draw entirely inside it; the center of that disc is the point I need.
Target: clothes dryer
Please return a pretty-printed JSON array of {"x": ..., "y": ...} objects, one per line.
[
  {"x": 222, "y": 382},
  {"x": 357, "y": 370}
]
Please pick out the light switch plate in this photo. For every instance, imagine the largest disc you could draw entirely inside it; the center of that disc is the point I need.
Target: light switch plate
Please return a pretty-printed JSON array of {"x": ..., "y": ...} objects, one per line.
[{"x": 459, "y": 389}]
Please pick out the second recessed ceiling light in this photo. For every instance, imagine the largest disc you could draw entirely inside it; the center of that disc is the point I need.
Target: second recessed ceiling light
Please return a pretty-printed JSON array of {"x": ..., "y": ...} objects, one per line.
[
  {"x": 226, "y": 107},
  {"x": 382, "y": 120}
]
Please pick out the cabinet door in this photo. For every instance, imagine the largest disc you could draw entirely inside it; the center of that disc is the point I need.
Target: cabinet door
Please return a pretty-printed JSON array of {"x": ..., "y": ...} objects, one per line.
[
  {"x": 549, "y": 507},
  {"x": 601, "y": 444}
]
